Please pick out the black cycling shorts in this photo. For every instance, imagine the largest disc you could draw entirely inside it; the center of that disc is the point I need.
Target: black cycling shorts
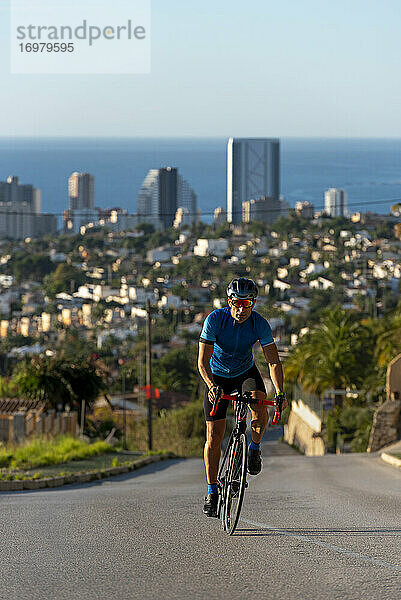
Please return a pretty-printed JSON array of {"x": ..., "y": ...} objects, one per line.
[{"x": 250, "y": 381}]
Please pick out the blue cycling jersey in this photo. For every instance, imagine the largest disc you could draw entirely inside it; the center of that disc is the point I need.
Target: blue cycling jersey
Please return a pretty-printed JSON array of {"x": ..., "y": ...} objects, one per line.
[{"x": 233, "y": 341}]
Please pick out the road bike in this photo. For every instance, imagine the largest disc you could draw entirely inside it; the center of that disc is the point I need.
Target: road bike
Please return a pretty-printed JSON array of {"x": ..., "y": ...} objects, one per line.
[{"x": 231, "y": 478}]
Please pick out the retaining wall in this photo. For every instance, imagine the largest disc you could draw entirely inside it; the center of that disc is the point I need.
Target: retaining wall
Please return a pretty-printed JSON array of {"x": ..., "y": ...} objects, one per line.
[{"x": 304, "y": 429}]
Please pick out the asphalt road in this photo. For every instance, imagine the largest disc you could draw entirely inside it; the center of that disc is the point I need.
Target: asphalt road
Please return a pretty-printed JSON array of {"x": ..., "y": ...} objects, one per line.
[{"x": 318, "y": 528}]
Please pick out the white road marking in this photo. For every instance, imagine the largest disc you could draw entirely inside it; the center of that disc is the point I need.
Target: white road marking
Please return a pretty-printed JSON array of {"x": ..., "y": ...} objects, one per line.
[{"x": 305, "y": 538}]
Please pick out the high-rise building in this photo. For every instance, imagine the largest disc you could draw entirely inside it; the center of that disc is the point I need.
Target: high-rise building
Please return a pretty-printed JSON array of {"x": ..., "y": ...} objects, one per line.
[
  {"x": 81, "y": 190},
  {"x": 335, "y": 202},
  {"x": 253, "y": 170},
  {"x": 168, "y": 193},
  {"x": 163, "y": 191},
  {"x": 20, "y": 211}
]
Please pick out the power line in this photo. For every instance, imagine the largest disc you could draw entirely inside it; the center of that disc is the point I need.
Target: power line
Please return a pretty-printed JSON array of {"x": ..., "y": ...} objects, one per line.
[{"x": 5, "y": 212}]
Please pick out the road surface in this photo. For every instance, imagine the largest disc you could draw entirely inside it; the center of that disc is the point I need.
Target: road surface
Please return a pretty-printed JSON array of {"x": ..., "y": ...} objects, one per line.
[{"x": 318, "y": 528}]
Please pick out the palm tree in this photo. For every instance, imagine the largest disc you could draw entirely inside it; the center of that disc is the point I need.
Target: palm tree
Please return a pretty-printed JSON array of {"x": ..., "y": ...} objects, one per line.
[
  {"x": 388, "y": 339},
  {"x": 337, "y": 353}
]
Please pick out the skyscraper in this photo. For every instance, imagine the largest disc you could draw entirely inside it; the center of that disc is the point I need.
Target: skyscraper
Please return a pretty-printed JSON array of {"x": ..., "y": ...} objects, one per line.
[
  {"x": 163, "y": 191},
  {"x": 81, "y": 189},
  {"x": 335, "y": 202},
  {"x": 168, "y": 192},
  {"x": 253, "y": 170},
  {"x": 20, "y": 211}
]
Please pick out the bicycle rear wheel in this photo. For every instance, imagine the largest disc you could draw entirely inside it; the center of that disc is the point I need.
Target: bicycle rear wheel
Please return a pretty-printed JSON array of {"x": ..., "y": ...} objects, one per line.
[{"x": 235, "y": 483}]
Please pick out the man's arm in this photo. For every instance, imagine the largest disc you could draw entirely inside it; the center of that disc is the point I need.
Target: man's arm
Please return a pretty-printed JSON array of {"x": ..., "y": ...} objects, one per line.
[
  {"x": 275, "y": 368},
  {"x": 204, "y": 356}
]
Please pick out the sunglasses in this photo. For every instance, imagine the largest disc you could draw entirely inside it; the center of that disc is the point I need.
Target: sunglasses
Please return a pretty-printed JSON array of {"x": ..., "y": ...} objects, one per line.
[{"x": 245, "y": 302}]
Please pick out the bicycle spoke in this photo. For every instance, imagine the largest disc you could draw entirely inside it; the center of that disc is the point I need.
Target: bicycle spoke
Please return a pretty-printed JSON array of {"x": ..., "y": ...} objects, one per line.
[{"x": 235, "y": 484}]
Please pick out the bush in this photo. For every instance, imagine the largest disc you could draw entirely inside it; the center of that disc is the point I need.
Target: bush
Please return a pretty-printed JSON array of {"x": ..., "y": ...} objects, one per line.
[
  {"x": 181, "y": 431},
  {"x": 352, "y": 423},
  {"x": 357, "y": 421}
]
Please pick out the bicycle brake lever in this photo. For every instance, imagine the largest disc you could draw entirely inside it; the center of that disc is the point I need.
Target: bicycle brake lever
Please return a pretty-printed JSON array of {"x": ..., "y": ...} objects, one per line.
[{"x": 277, "y": 412}]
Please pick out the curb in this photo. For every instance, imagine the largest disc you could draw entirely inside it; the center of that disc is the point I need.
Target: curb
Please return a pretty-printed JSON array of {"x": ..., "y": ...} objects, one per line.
[
  {"x": 52, "y": 482},
  {"x": 391, "y": 460}
]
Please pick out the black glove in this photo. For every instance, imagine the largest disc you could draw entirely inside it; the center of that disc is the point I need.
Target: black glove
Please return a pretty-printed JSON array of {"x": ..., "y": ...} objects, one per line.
[{"x": 280, "y": 399}]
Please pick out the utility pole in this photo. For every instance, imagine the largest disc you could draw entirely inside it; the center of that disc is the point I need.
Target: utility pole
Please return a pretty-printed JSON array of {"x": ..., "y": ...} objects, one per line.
[
  {"x": 124, "y": 411},
  {"x": 149, "y": 371}
]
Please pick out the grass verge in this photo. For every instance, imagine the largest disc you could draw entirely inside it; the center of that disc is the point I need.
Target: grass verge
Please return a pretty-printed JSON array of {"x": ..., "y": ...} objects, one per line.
[
  {"x": 41, "y": 452},
  {"x": 95, "y": 463}
]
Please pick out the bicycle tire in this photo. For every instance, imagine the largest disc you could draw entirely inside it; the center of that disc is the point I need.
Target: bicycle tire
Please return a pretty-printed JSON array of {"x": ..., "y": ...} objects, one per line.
[
  {"x": 235, "y": 484},
  {"x": 222, "y": 477}
]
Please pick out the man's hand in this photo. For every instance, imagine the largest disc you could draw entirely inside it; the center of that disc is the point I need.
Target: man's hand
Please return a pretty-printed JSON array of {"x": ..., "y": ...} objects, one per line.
[{"x": 281, "y": 400}]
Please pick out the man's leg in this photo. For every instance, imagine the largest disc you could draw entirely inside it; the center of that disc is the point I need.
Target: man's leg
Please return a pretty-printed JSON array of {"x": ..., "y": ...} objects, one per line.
[
  {"x": 214, "y": 437},
  {"x": 258, "y": 426},
  {"x": 259, "y": 418}
]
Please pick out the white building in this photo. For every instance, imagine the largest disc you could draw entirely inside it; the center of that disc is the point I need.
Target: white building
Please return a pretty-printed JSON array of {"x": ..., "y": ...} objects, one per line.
[
  {"x": 148, "y": 200},
  {"x": 137, "y": 295},
  {"x": 335, "y": 202},
  {"x": 183, "y": 218},
  {"x": 164, "y": 191},
  {"x": 206, "y": 247},
  {"x": 321, "y": 283}
]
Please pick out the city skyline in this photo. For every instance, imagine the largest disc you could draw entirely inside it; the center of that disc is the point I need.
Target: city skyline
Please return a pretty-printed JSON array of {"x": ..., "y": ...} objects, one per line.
[{"x": 368, "y": 170}]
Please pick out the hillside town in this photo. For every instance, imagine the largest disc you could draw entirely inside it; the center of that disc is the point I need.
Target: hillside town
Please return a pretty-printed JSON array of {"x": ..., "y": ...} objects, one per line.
[{"x": 98, "y": 282}]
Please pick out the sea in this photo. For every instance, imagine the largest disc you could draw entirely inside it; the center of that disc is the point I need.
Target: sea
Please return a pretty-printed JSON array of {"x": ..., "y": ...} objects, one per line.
[{"x": 368, "y": 169}]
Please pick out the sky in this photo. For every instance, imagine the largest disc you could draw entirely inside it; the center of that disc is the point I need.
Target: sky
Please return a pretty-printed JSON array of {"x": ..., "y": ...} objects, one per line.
[{"x": 288, "y": 68}]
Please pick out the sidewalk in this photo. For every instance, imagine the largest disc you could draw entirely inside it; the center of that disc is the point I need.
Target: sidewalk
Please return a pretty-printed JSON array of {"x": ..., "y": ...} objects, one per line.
[{"x": 387, "y": 454}]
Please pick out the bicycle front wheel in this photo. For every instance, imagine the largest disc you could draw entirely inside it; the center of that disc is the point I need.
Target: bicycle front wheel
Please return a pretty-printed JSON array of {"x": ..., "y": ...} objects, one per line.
[{"x": 235, "y": 484}]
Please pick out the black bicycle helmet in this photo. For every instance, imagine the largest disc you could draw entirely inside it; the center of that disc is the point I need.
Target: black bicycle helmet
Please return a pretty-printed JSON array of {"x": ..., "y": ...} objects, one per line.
[{"x": 242, "y": 288}]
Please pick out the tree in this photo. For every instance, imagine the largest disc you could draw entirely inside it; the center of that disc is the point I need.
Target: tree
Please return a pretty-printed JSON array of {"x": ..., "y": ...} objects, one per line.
[
  {"x": 32, "y": 267},
  {"x": 66, "y": 278},
  {"x": 337, "y": 353},
  {"x": 57, "y": 381},
  {"x": 388, "y": 339},
  {"x": 176, "y": 371}
]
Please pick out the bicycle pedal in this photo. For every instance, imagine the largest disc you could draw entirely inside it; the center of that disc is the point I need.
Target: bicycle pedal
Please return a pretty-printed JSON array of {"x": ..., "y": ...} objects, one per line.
[{"x": 246, "y": 484}]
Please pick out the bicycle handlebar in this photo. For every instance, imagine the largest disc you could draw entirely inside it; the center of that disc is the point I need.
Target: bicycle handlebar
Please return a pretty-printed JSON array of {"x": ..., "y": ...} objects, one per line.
[{"x": 261, "y": 402}]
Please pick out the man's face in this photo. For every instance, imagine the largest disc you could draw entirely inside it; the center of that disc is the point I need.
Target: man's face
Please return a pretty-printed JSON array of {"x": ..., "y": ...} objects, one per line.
[{"x": 240, "y": 312}]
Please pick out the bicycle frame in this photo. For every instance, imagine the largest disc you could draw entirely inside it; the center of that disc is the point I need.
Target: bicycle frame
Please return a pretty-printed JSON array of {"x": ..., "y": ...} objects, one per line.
[{"x": 232, "y": 483}]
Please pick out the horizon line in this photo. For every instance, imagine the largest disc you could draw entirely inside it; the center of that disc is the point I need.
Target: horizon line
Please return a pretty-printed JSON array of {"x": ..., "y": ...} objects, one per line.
[{"x": 192, "y": 137}]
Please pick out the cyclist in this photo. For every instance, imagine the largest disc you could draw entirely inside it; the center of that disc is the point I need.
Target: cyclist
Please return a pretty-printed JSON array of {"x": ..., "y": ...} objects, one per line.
[{"x": 225, "y": 360}]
